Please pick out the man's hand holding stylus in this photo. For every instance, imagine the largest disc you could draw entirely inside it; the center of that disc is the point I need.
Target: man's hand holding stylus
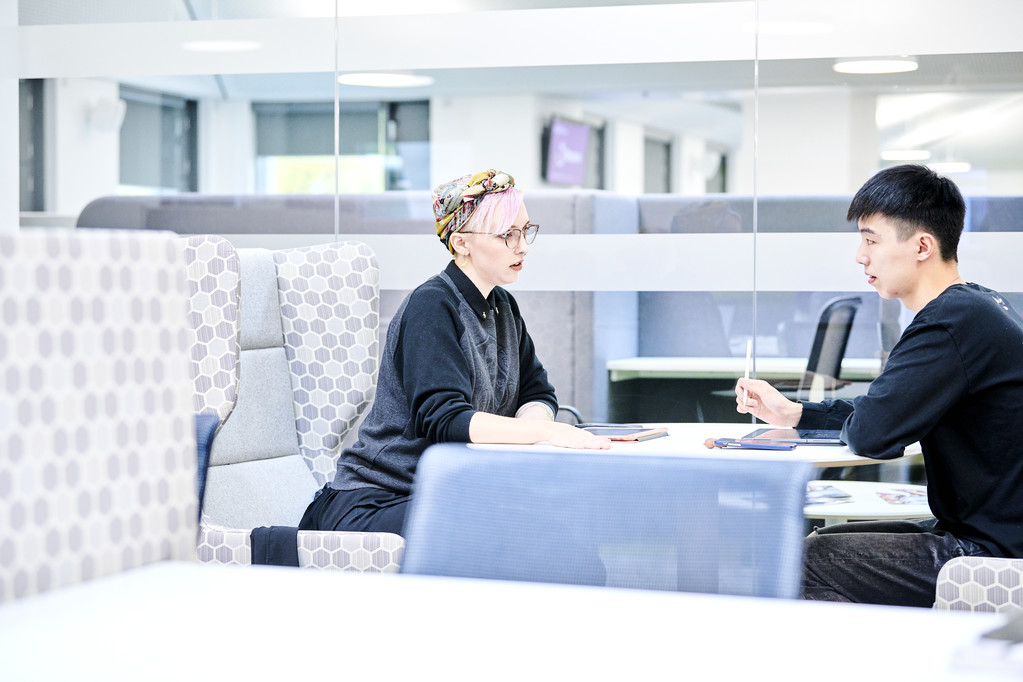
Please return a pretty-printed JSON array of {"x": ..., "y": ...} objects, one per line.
[{"x": 764, "y": 402}]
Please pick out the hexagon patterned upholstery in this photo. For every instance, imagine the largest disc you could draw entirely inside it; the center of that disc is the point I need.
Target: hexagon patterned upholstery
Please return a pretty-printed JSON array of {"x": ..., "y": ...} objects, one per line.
[
  {"x": 307, "y": 330},
  {"x": 97, "y": 445},
  {"x": 980, "y": 584},
  {"x": 213, "y": 281}
]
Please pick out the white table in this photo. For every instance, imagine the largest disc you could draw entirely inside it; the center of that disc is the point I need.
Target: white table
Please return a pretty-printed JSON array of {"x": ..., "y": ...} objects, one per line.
[
  {"x": 687, "y": 440},
  {"x": 624, "y": 369},
  {"x": 177, "y": 621},
  {"x": 867, "y": 502}
]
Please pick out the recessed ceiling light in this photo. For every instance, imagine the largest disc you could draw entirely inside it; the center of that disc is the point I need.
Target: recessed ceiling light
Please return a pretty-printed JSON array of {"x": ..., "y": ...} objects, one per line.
[
  {"x": 221, "y": 45},
  {"x": 876, "y": 65},
  {"x": 905, "y": 155},
  {"x": 948, "y": 167},
  {"x": 385, "y": 80}
]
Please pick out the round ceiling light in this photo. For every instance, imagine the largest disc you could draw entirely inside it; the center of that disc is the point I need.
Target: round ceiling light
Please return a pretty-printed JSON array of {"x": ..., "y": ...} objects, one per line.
[
  {"x": 385, "y": 80},
  {"x": 876, "y": 65}
]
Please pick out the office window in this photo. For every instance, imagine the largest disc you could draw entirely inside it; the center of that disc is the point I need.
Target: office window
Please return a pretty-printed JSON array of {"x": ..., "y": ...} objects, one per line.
[
  {"x": 383, "y": 146},
  {"x": 409, "y": 132},
  {"x": 30, "y": 140},
  {"x": 158, "y": 143},
  {"x": 657, "y": 166},
  {"x": 718, "y": 181},
  {"x": 595, "y": 160}
]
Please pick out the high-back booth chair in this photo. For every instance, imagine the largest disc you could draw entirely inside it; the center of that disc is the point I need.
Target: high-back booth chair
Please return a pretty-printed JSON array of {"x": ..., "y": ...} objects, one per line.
[
  {"x": 980, "y": 584},
  {"x": 285, "y": 354},
  {"x": 667, "y": 523},
  {"x": 97, "y": 443}
]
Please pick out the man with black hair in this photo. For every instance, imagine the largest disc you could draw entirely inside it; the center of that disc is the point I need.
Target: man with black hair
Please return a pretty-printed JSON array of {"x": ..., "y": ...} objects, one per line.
[{"x": 953, "y": 382}]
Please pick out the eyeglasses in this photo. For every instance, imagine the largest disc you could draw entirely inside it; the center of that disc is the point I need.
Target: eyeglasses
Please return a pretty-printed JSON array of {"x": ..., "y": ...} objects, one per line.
[{"x": 511, "y": 237}]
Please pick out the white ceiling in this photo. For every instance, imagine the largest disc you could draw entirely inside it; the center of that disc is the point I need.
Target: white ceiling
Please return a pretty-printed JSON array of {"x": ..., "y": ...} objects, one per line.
[{"x": 981, "y": 89}]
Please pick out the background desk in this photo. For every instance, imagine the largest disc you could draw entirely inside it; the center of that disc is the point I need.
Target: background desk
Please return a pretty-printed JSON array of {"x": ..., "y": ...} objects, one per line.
[
  {"x": 866, "y": 503},
  {"x": 171, "y": 621},
  {"x": 674, "y": 389}
]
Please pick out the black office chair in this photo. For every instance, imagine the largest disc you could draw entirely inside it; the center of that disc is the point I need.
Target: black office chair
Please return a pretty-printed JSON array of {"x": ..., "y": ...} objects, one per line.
[
  {"x": 569, "y": 414},
  {"x": 824, "y": 366},
  {"x": 888, "y": 329}
]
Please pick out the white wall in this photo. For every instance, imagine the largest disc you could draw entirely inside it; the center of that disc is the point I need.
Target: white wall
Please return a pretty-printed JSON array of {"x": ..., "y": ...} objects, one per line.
[
  {"x": 689, "y": 171},
  {"x": 9, "y": 150},
  {"x": 624, "y": 162},
  {"x": 809, "y": 143},
  {"x": 990, "y": 183},
  {"x": 227, "y": 147},
  {"x": 82, "y": 157},
  {"x": 472, "y": 133},
  {"x": 469, "y": 134}
]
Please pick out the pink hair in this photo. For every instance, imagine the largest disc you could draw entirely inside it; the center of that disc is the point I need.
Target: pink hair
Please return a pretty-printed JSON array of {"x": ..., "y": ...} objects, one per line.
[{"x": 496, "y": 212}]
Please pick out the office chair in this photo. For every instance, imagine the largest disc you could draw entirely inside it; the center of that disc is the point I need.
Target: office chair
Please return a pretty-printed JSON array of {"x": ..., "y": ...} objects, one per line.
[
  {"x": 569, "y": 414},
  {"x": 888, "y": 328},
  {"x": 973, "y": 583},
  {"x": 285, "y": 356},
  {"x": 824, "y": 365},
  {"x": 665, "y": 523}
]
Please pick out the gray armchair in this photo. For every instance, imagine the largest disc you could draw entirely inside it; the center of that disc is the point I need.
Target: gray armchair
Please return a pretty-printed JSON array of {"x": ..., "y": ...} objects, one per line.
[{"x": 285, "y": 352}]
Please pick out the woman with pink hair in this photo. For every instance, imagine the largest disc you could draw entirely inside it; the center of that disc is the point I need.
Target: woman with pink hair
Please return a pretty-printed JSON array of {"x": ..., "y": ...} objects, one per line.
[{"x": 458, "y": 364}]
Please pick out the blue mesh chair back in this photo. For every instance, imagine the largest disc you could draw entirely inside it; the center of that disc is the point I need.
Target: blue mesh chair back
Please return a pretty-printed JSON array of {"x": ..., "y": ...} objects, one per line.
[
  {"x": 693, "y": 525},
  {"x": 206, "y": 426}
]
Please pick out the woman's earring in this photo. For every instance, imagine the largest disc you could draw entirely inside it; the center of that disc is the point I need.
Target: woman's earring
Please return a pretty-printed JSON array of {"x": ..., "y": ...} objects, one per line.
[{"x": 465, "y": 260}]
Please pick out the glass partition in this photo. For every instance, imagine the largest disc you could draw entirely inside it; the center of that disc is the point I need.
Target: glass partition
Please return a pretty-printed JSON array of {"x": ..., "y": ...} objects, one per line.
[
  {"x": 690, "y": 163},
  {"x": 865, "y": 95}
]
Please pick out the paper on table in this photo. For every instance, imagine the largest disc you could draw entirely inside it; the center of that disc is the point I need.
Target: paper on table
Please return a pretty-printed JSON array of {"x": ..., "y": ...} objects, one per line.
[{"x": 825, "y": 493}]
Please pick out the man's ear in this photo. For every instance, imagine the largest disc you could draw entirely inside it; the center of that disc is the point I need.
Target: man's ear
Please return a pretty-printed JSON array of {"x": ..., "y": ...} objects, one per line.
[{"x": 926, "y": 246}]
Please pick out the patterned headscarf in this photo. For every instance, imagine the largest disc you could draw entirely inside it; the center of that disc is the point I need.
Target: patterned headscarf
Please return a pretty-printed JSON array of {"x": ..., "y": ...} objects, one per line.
[{"x": 454, "y": 201}]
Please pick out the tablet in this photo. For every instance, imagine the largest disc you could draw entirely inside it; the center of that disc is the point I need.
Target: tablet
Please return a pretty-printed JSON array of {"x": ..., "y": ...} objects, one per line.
[
  {"x": 753, "y": 444},
  {"x": 625, "y": 433},
  {"x": 798, "y": 436}
]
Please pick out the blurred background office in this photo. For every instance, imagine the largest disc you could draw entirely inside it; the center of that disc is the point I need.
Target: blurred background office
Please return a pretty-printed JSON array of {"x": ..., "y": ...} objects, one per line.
[{"x": 730, "y": 135}]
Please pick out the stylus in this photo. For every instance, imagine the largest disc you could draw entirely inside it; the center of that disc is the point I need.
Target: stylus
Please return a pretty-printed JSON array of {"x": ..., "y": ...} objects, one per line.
[{"x": 749, "y": 351}]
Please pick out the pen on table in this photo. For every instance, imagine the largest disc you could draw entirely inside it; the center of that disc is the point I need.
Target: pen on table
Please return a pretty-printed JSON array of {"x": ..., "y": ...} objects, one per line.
[{"x": 749, "y": 351}]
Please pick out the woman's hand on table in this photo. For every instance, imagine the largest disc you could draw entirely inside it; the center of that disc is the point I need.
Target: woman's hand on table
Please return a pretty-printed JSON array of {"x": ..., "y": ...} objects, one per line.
[
  {"x": 568, "y": 436},
  {"x": 491, "y": 428}
]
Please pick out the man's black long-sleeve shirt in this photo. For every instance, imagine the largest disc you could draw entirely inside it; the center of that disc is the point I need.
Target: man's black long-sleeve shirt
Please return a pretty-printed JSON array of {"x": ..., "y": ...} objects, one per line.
[{"x": 953, "y": 382}]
